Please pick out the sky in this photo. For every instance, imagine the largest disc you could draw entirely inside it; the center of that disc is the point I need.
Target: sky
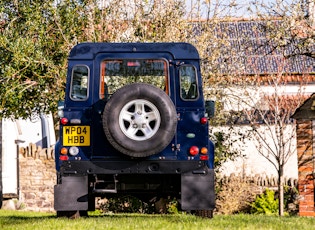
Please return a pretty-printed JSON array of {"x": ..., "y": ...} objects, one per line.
[{"x": 239, "y": 7}]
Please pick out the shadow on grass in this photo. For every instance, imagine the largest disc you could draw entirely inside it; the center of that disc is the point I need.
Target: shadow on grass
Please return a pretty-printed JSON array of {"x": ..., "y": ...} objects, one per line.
[
  {"x": 36, "y": 216},
  {"x": 136, "y": 215}
]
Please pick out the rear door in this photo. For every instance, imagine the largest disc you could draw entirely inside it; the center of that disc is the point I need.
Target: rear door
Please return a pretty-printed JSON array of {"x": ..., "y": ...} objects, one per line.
[{"x": 112, "y": 71}]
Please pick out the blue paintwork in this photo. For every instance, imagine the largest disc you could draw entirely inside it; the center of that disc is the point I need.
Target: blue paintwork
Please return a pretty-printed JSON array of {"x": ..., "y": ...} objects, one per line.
[{"x": 90, "y": 111}]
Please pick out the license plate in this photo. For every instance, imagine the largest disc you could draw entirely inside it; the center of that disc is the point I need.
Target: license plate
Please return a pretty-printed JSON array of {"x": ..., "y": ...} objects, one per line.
[{"x": 76, "y": 135}]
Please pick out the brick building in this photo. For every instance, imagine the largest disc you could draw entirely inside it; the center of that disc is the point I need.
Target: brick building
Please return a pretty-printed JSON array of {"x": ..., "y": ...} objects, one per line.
[
  {"x": 305, "y": 131},
  {"x": 295, "y": 73}
]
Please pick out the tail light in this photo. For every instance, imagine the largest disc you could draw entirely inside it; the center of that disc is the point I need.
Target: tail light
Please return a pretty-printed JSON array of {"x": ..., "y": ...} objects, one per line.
[
  {"x": 194, "y": 150},
  {"x": 64, "y": 121},
  {"x": 203, "y": 120},
  {"x": 204, "y": 157},
  {"x": 63, "y": 158}
]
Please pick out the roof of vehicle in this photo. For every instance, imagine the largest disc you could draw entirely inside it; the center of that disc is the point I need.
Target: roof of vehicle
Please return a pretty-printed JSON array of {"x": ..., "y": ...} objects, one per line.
[{"x": 178, "y": 50}]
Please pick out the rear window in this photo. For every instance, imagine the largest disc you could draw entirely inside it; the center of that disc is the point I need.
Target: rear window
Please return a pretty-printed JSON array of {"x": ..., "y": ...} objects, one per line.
[
  {"x": 119, "y": 72},
  {"x": 79, "y": 83}
]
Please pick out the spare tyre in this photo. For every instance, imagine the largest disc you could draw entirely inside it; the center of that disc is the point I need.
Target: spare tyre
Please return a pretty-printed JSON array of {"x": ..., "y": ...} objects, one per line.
[{"x": 139, "y": 120}]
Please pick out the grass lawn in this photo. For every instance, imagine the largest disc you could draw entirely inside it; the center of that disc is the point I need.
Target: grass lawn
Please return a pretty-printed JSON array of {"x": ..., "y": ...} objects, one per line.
[{"x": 35, "y": 220}]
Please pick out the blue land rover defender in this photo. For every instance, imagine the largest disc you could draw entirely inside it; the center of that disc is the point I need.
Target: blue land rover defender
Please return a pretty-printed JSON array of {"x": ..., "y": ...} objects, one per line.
[{"x": 134, "y": 121}]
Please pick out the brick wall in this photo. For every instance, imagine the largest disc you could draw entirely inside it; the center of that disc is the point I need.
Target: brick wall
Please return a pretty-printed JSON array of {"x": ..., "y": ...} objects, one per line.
[
  {"x": 37, "y": 178},
  {"x": 305, "y": 140}
]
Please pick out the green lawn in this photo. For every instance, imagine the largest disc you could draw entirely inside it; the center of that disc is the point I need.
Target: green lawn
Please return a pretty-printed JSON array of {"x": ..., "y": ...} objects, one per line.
[{"x": 34, "y": 220}]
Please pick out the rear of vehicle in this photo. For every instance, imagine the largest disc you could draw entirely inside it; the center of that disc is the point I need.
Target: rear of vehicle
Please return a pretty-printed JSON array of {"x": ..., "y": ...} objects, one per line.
[{"x": 134, "y": 122}]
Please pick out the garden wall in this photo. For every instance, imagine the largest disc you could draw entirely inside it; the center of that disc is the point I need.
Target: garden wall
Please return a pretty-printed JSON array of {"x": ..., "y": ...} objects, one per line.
[{"x": 37, "y": 178}]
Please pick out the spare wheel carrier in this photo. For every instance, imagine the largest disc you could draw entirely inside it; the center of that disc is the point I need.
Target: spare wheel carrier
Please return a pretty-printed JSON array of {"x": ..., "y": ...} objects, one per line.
[{"x": 139, "y": 120}]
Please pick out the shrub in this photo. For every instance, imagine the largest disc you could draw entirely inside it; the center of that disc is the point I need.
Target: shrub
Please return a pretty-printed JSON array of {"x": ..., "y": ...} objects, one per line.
[
  {"x": 172, "y": 207},
  {"x": 265, "y": 203},
  {"x": 291, "y": 202},
  {"x": 234, "y": 195}
]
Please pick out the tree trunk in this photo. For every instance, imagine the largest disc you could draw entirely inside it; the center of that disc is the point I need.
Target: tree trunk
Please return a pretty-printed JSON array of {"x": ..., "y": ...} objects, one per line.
[
  {"x": 1, "y": 194},
  {"x": 281, "y": 191}
]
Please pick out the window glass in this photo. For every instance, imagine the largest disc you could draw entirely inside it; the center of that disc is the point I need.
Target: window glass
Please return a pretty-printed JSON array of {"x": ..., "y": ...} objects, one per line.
[
  {"x": 117, "y": 73},
  {"x": 79, "y": 83},
  {"x": 188, "y": 82}
]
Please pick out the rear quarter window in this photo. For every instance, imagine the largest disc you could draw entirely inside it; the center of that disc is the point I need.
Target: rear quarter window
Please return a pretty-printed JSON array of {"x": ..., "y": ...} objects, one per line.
[
  {"x": 188, "y": 82},
  {"x": 79, "y": 83}
]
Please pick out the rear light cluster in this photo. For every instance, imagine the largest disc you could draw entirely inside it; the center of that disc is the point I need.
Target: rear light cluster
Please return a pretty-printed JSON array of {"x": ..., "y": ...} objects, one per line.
[
  {"x": 194, "y": 150},
  {"x": 64, "y": 152}
]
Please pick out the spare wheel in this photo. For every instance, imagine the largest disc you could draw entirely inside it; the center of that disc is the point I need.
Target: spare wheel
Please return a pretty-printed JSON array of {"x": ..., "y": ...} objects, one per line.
[{"x": 139, "y": 120}]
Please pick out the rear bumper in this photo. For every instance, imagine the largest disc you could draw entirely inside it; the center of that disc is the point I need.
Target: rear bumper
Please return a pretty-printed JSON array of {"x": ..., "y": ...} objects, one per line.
[{"x": 132, "y": 167}]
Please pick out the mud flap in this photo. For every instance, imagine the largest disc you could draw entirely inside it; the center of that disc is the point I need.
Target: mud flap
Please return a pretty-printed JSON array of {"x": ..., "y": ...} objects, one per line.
[
  {"x": 71, "y": 194},
  {"x": 197, "y": 190}
]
